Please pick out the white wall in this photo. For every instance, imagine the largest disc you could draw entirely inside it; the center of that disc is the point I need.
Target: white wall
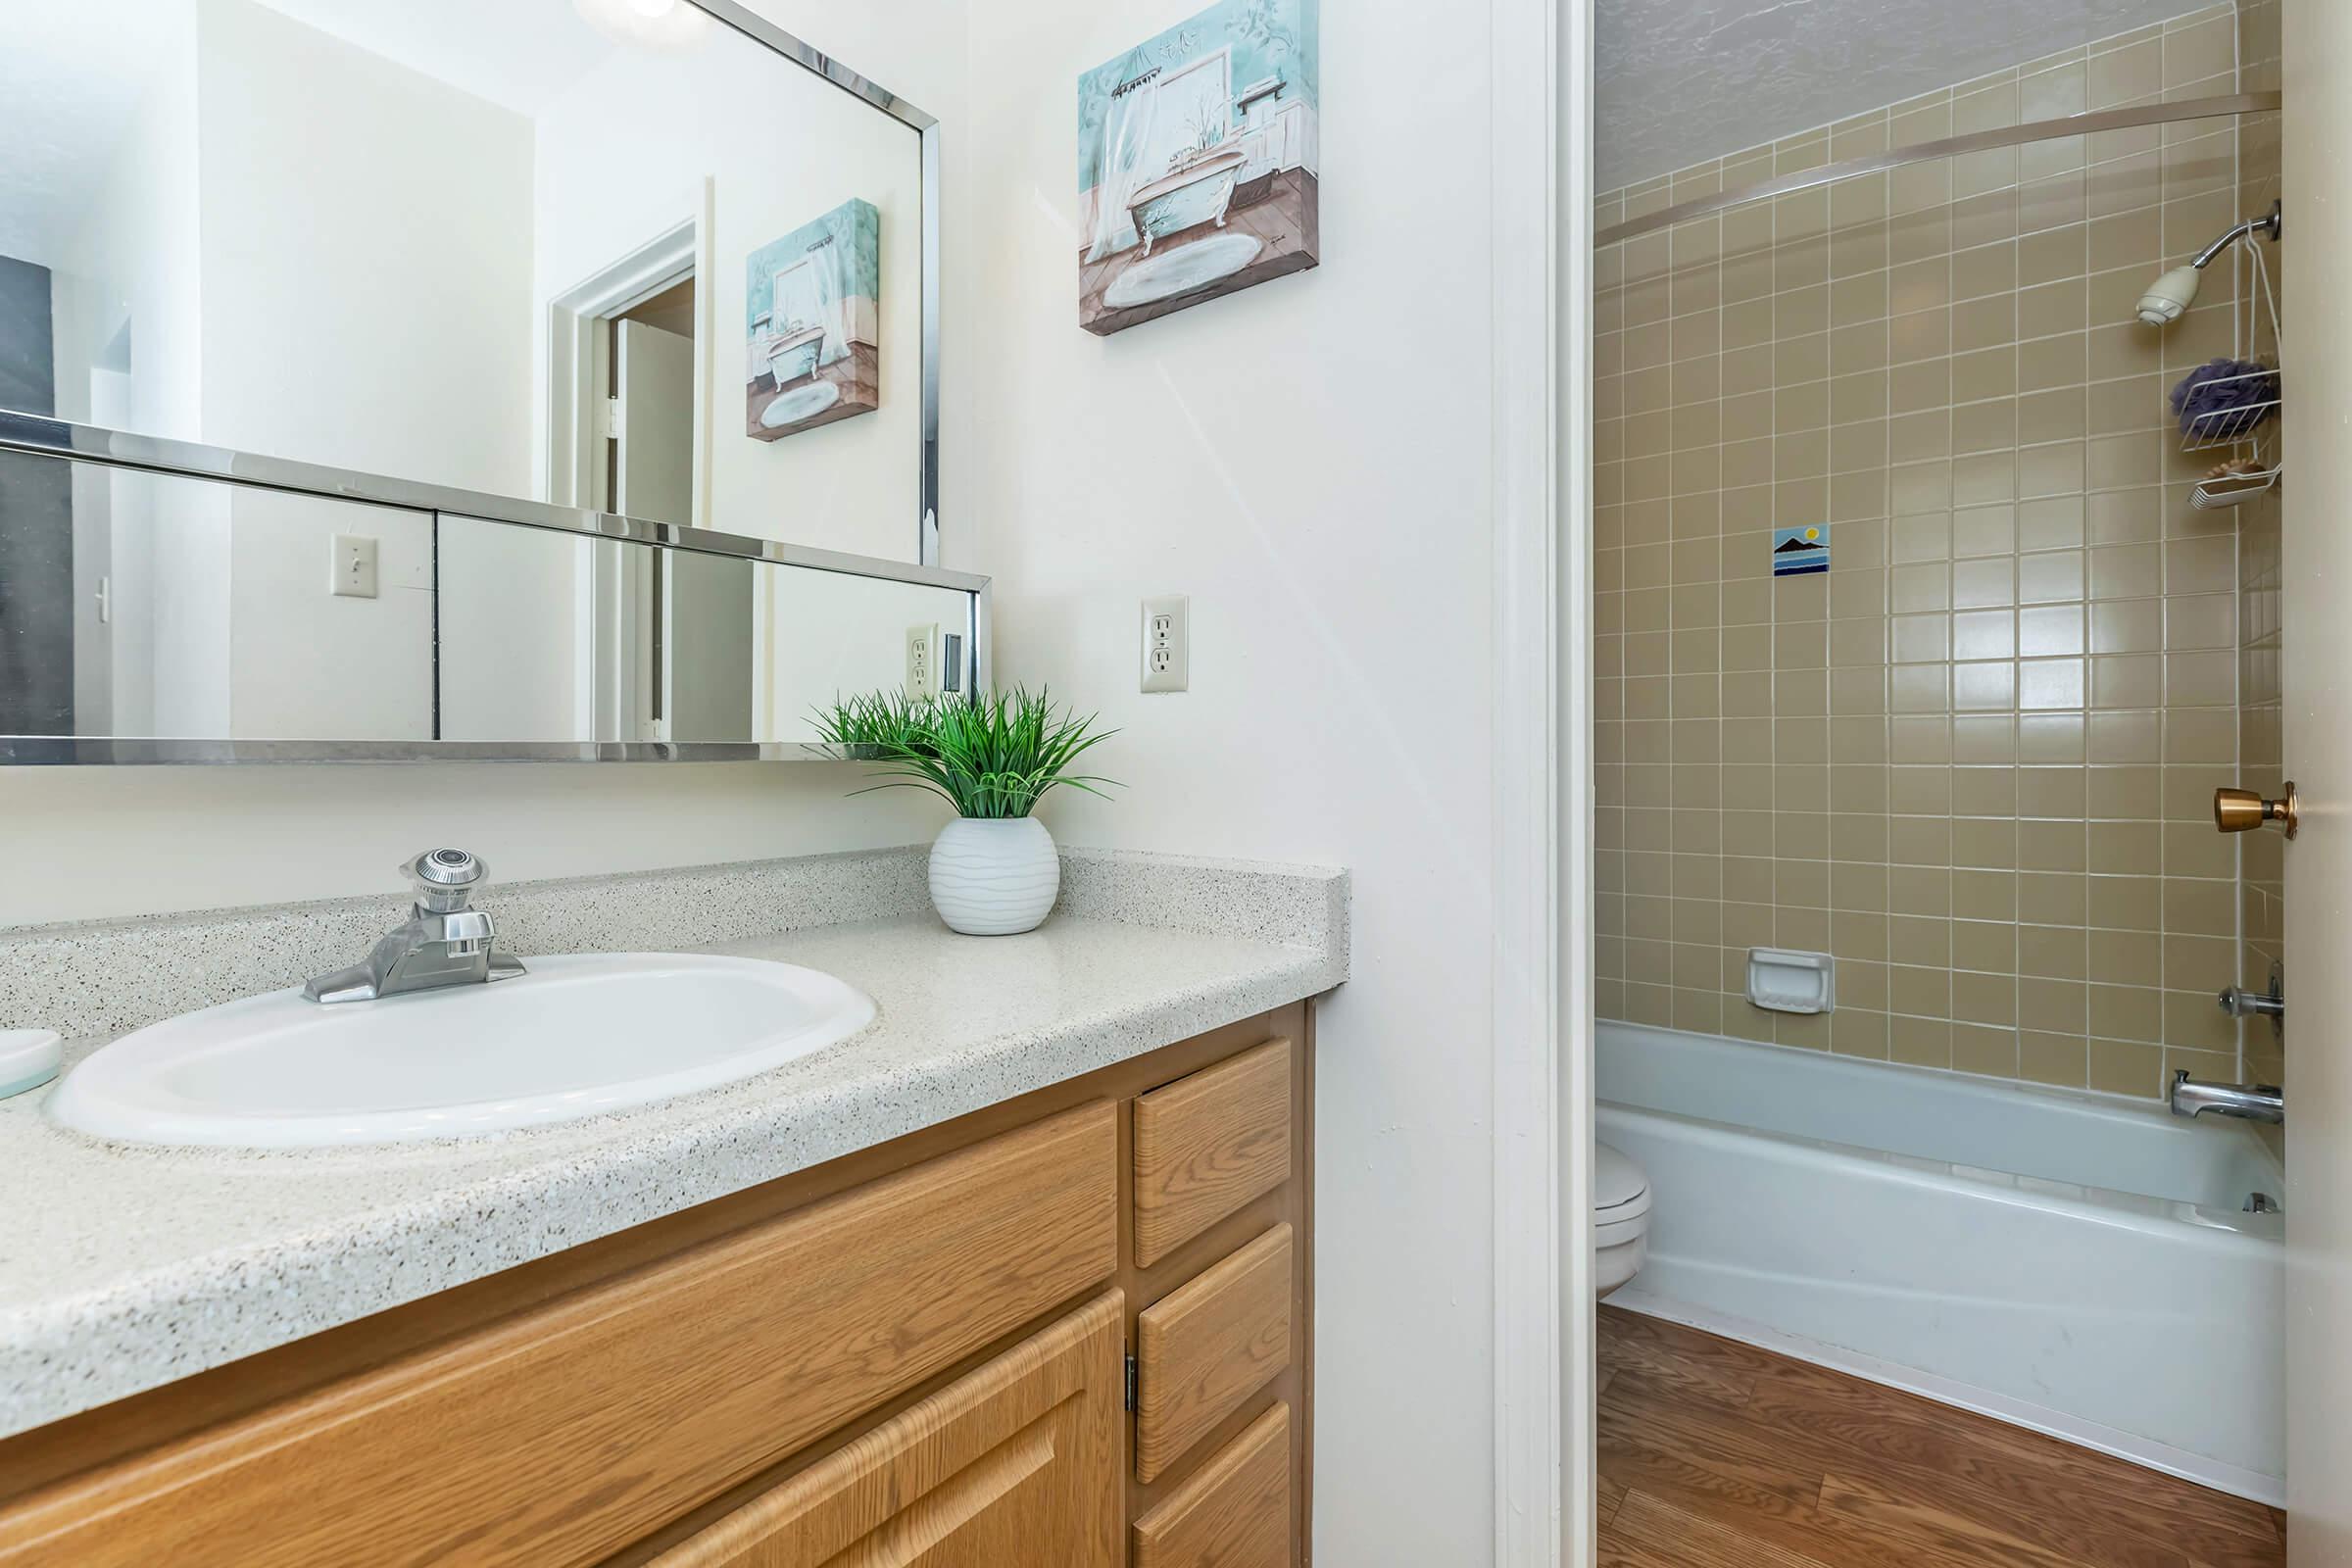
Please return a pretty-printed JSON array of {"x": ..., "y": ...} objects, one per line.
[
  {"x": 516, "y": 630},
  {"x": 377, "y": 259},
  {"x": 133, "y": 272},
  {"x": 308, "y": 664},
  {"x": 137, "y": 258},
  {"x": 1309, "y": 461}
]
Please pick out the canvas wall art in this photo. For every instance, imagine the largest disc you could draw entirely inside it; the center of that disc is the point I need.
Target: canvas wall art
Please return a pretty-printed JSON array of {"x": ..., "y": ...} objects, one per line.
[
  {"x": 814, "y": 300},
  {"x": 1196, "y": 160}
]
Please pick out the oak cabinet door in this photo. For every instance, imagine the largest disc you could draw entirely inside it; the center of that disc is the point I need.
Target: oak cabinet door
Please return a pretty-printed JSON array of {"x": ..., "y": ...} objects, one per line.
[
  {"x": 1207, "y": 1144},
  {"x": 1017, "y": 1463},
  {"x": 1205, "y": 1350}
]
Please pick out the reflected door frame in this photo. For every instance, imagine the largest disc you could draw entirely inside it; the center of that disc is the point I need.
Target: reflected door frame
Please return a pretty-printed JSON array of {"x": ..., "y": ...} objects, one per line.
[
  {"x": 615, "y": 701},
  {"x": 578, "y": 365}
]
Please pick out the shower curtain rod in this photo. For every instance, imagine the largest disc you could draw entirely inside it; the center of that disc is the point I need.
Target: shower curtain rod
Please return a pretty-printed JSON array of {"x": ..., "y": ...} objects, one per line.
[{"x": 2248, "y": 103}]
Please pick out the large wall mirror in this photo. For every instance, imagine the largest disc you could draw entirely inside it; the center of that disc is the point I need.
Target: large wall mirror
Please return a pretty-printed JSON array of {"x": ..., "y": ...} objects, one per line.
[{"x": 497, "y": 378}]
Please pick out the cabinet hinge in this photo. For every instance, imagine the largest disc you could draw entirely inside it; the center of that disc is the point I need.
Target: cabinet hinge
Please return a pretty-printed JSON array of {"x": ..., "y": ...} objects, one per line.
[
  {"x": 1134, "y": 1377},
  {"x": 610, "y": 421}
]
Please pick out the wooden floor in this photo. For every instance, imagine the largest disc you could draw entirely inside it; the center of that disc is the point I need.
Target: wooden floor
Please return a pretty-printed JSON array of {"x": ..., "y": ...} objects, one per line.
[{"x": 1715, "y": 1455}]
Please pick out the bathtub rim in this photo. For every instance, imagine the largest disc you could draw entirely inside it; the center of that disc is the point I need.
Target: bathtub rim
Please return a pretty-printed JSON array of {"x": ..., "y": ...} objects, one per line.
[
  {"x": 2116, "y": 1109},
  {"x": 2096, "y": 1206}
]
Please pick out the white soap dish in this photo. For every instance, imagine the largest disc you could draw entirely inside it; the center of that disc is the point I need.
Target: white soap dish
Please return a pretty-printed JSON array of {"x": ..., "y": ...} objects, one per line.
[
  {"x": 29, "y": 1058},
  {"x": 1782, "y": 981}
]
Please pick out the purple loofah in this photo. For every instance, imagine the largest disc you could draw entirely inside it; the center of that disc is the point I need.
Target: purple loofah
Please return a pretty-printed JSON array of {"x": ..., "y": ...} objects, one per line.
[{"x": 2226, "y": 400}]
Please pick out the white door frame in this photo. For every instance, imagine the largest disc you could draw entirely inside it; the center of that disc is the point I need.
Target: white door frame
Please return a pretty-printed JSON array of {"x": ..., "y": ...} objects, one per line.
[
  {"x": 577, "y": 366},
  {"x": 1541, "y": 977},
  {"x": 609, "y": 702}
]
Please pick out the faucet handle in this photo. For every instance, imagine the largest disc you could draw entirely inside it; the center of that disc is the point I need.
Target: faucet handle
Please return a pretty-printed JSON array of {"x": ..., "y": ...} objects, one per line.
[{"x": 445, "y": 879}]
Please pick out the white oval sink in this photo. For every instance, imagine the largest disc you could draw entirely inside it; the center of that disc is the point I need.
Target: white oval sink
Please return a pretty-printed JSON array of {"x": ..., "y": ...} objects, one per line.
[{"x": 574, "y": 1037}]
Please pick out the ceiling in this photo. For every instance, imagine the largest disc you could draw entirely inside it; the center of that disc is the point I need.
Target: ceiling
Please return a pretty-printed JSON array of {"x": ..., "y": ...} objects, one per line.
[
  {"x": 73, "y": 75},
  {"x": 521, "y": 54},
  {"x": 1682, "y": 81}
]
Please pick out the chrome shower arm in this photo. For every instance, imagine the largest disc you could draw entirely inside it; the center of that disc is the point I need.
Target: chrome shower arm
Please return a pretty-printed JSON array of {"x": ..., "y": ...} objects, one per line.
[{"x": 2270, "y": 222}]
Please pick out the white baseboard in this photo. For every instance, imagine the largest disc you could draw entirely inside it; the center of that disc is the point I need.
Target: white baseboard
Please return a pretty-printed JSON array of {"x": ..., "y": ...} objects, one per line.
[{"x": 2107, "y": 1440}]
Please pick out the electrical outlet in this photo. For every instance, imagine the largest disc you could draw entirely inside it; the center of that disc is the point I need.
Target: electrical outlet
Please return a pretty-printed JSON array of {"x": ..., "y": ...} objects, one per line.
[
  {"x": 923, "y": 660},
  {"x": 354, "y": 567},
  {"x": 1167, "y": 644}
]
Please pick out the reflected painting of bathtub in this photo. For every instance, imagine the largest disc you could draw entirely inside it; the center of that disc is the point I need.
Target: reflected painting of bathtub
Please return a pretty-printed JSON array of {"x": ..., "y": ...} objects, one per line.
[
  {"x": 812, "y": 308},
  {"x": 2081, "y": 1264}
]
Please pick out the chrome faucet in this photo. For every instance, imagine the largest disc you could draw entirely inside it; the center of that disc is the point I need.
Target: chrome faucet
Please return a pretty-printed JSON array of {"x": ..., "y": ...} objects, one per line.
[
  {"x": 2192, "y": 1098},
  {"x": 445, "y": 941}
]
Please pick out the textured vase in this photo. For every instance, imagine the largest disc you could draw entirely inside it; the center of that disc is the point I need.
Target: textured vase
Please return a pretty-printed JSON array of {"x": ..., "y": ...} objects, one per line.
[{"x": 990, "y": 877}]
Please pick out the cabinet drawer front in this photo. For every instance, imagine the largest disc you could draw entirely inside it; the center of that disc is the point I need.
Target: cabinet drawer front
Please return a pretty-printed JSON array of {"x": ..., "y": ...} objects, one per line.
[
  {"x": 1208, "y": 1144},
  {"x": 1204, "y": 1349},
  {"x": 1016, "y": 1464},
  {"x": 560, "y": 1436},
  {"x": 1235, "y": 1514}
]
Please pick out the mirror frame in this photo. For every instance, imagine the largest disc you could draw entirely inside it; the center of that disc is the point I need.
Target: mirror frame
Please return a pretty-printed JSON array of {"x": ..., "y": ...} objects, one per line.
[{"x": 59, "y": 438}]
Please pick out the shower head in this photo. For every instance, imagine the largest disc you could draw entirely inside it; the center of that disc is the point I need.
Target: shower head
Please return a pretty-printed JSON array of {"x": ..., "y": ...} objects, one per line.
[{"x": 2169, "y": 298}]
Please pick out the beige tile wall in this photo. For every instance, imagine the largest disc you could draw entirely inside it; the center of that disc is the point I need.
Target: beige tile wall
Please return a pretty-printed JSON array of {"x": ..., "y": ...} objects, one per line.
[
  {"x": 1974, "y": 761},
  {"x": 2261, "y": 767}
]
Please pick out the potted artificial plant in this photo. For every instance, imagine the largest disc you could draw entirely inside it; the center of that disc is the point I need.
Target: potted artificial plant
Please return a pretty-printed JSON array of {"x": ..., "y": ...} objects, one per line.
[{"x": 994, "y": 869}]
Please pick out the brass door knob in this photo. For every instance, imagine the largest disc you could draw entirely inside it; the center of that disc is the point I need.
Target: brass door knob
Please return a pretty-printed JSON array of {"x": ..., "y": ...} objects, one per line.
[{"x": 2240, "y": 810}]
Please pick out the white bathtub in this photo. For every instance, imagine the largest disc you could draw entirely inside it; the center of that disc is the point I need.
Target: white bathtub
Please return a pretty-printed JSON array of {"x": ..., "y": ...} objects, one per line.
[{"x": 2072, "y": 1262}]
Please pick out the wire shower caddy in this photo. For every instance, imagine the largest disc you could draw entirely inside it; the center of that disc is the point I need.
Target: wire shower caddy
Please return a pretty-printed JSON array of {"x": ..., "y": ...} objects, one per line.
[{"x": 2252, "y": 426}]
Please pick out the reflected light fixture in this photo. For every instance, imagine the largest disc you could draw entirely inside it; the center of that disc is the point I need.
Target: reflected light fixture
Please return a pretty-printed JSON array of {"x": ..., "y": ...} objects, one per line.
[
  {"x": 656, "y": 24},
  {"x": 2169, "y": 298}
]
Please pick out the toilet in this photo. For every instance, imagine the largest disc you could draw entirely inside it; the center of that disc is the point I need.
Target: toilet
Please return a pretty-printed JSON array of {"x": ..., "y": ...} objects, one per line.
[{"x": 1620, "y": 1219}]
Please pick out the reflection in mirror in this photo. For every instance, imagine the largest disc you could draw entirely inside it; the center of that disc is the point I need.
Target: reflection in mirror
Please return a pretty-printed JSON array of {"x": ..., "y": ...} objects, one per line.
[
  {"x": 209, "y": 612},
  {"x": 550, "y": 249}
]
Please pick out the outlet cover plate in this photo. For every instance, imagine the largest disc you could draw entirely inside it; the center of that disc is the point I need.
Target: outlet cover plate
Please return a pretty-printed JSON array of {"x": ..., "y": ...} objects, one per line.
[
  {"x": 923, "y": 658},
  {"x": 1167, "y": 643}
]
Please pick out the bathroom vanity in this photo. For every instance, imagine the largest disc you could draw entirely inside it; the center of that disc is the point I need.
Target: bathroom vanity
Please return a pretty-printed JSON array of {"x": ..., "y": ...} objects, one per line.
[{"x": 1070, "y": 1325}]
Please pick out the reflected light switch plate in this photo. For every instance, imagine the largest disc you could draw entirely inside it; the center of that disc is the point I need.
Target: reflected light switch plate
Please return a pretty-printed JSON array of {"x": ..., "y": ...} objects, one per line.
[{"x": 354, "y": 566}]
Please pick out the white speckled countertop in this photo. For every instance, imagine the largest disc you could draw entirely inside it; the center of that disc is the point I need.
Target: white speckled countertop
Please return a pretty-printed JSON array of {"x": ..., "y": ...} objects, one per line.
[{"x": 123, "y": 1268}]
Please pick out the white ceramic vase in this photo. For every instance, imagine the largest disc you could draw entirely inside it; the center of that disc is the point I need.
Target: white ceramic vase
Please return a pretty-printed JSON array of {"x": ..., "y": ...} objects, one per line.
[{"x": 990, "y": 877}]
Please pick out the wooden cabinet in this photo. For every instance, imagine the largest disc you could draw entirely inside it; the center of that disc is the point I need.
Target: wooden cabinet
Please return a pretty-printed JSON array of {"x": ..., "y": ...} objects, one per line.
[
  {"x": 1234, "y": 1512},
  {"x": 918, "y": 1356},
  {"x": 662, "y": 1388},
  {"x": 1207, "y": 1144},
  {"x": 1209, "y": 1347},
  {"x": 1016, "y": 1464}
]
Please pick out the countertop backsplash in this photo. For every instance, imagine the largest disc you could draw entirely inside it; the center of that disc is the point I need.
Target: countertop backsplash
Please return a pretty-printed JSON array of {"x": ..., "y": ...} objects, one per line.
[{"x": 105, "y": 977}]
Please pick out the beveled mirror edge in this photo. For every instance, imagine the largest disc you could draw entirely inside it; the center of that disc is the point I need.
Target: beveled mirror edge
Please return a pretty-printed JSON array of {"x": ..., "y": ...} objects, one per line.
[
  {"x": 20, "y": 751},
  {"x": 69, "y": 442},
  {"x": 188, "y": 459}
]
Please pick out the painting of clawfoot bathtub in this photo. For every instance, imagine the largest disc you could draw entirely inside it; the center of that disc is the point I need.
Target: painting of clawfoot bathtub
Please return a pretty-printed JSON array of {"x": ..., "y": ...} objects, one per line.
[
  {"x": 1197, "y": 163},
  {"x": 816, "y": 309}
]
